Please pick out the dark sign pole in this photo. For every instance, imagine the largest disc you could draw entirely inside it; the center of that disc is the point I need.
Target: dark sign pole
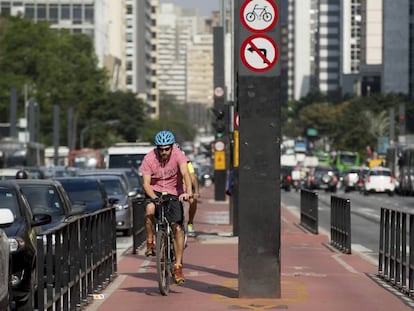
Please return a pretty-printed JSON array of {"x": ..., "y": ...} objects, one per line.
[
  {"x": 258, "y": 95},
  {"x": 220, "y": 115}
]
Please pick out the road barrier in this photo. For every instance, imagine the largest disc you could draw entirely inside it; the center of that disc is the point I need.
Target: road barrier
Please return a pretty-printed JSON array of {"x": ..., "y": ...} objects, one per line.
[
  {"x": 138, "y": 226},
  {"x": 341, "y": 224},
  {"x": 396, "y": 249},
  {"x": 76, "y": 260},
  {"x": 309, "y": 210}
]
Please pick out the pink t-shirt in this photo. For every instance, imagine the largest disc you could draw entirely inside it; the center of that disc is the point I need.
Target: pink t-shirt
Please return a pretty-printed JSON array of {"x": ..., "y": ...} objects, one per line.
[{"x": 168, "y": 177}]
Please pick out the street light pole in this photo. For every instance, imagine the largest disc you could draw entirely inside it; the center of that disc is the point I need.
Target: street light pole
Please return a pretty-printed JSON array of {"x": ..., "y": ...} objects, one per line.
[{"x": 82, "y": 134}]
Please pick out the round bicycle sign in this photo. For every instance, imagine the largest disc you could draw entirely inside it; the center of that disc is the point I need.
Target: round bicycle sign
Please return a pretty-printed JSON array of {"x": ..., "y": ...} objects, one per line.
[{"x": 259, "y": 15}]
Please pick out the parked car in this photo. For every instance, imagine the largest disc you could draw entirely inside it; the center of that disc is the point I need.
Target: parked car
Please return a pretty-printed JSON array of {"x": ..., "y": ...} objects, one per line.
[
  {"x": 379, "y": 180},
  {"x": 23, "y": 247},
  {"x": 88, "y": 191},
  {"x": 285, "y": 177},
  {"x": 47, "y": 196},
  {"x": 121, "y": 200},
  {"x": 131, "y": 177},
  {"x": 59, "y": 171},
  {"x": 6, "y": 219},
  {"x": 323, "y": 177}
]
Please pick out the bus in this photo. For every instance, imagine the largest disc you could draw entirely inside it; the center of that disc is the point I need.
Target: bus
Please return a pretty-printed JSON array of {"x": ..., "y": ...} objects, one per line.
[
  {"x": 62, "y": 156},
  {"x": 126, "y": 155},
  {"x": 86, "y": 158},
  {"x": 17, "y": 153},
  {"x": 324, "y": 158},
  {"x": 344, "y": 160}
]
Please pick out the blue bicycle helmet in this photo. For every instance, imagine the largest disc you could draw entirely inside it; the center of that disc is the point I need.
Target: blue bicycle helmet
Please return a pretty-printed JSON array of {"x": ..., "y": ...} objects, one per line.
[{"x": 164, "y": 138}]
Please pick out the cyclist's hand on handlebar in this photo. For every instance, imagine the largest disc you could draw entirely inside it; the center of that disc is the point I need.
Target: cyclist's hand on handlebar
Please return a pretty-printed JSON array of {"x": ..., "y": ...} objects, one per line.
[
  {"x": 185, "y": 196},
  {"x": 157, "y": 201}
]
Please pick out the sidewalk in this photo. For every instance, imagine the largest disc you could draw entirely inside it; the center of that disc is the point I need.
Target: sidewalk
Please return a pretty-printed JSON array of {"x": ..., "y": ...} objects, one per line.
[{"x": 314, "y": 276}]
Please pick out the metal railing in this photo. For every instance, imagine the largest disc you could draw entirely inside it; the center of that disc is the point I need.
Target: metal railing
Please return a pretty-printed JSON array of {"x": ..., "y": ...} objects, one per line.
[
  {"x": 309, "y": 210},
  {"x": 396, "y": 249},
  {"x": 138, "y": 226},
  {"x": 341, "y": 224},
  {"x": 76, "y": 260}
]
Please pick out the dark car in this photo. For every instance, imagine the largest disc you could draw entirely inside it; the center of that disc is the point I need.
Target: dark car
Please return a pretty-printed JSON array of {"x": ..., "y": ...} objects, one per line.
[
  {"x": 324, "y": 177},
  {"x": 130, "y": 176},
  {"x": 353, "y": 178},
  {"x": 286, "y": 177},
  {"x": 88, "y": 191},
  {"x": 22, "y": 240},
  {"x": 122, "y": 201},
  {"x": 6, "y": 219},
  {"x": 47, "y": 196}
]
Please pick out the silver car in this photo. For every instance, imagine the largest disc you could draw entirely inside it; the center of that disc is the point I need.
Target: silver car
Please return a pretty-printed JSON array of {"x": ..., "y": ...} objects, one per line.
[
  {"x": 121, "y": 199},
  {"x": 6, "y": 219}
]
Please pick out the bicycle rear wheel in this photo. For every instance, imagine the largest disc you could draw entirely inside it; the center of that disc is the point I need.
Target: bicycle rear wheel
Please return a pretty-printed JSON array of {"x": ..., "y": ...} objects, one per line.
[{"x": 163, "y": 262}]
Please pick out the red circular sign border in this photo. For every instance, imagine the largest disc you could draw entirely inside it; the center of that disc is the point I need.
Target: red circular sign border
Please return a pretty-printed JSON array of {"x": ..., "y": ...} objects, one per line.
[
  {"x": 275, "y": 20},
  {"x": 216, "y": 88},
  {"x": 243, "y": 46},
  {"x": 236, "y": 120}
]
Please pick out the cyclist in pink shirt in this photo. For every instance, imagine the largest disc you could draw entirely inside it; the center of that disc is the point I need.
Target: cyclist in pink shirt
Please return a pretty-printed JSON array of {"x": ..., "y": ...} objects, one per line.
[{"x": 163, "y": 170}]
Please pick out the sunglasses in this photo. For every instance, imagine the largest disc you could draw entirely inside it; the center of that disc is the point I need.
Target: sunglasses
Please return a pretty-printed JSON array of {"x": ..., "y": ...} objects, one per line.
[{"x": 164, "y": 149}]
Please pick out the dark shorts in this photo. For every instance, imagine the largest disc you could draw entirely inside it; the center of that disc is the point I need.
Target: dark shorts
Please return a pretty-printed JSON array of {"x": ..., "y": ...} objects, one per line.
[{"x": 175, "y": 212}]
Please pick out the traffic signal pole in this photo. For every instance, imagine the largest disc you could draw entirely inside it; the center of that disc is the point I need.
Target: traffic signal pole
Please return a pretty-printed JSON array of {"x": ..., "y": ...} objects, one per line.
[{"x": 220, "y": 124}]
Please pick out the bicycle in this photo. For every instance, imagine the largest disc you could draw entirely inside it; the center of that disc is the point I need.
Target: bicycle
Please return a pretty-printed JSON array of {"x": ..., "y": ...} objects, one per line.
[
  {"x": 259, "y": 13},
  {"x": 164, "y": 244}
]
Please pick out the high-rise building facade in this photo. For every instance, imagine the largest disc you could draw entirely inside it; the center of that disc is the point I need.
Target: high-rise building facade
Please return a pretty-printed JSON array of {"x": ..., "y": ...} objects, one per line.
[
  {"x": 181, "y": 36},
  {"x": 124, "y": 35}
]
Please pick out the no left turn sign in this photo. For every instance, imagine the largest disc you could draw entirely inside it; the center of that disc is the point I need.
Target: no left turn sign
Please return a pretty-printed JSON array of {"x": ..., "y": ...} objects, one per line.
[
  {"x": 259, "y": 53},
  {"x": 259, "y": 15}
]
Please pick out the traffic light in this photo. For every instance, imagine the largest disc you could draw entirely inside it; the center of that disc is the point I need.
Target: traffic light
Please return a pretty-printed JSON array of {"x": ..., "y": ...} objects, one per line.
[{"x": 219, "y": 124}]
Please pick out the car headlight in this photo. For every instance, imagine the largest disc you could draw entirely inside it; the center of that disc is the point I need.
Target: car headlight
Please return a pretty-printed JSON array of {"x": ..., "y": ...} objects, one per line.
[
  {"x": 121, "y": 206},
  {"x": 16, "y": 244}
]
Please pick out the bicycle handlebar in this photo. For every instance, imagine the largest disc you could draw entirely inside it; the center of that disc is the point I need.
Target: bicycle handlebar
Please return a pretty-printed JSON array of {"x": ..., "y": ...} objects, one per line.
[{"x": 167, "y": 197}]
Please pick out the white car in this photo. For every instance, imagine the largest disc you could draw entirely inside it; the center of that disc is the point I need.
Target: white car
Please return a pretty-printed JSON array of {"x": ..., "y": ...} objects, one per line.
[{"x": 379, "y": 179}]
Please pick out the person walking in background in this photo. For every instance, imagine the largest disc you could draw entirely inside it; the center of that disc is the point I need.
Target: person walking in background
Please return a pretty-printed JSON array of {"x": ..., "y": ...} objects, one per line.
[{"x": 193, "y": 201}]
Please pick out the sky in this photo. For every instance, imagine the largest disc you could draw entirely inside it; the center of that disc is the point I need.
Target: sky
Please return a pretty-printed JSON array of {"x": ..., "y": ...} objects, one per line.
[{"x": 205, "y": 6}]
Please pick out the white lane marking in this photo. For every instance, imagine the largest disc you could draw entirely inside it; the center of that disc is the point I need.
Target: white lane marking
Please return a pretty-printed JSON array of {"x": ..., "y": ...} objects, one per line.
[
  {"x": 343, "y": 263},
  {"x": 144, "y": 266}
]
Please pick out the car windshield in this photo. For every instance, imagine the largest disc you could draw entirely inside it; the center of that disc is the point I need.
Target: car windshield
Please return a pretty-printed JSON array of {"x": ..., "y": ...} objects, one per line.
[
  {"x": 82, "y": 191},
  {"x": 379, "y": 173},
  {"x": 43, "y": 199},
  {"x": 113, "y": 187},
  {"x": 8, "y": 200},
  {"x": 133, "y": 179}
]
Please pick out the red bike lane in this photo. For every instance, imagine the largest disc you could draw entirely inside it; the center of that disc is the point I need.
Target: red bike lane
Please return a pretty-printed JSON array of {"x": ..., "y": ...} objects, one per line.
[{"x": 314, "y": 276}]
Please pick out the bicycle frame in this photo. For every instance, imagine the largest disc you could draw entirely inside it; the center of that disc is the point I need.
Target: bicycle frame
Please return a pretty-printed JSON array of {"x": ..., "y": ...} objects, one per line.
[{"x": 165, "y": 253}]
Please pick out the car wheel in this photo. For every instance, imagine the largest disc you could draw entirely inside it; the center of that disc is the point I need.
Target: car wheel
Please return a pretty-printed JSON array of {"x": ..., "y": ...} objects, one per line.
[{"x": 391, "y": 193}]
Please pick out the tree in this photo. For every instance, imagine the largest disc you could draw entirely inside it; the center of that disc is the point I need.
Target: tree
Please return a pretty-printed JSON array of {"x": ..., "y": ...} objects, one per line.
[
  {"x": 173, "y": 117},
  {"x": 59, "y": 68}
]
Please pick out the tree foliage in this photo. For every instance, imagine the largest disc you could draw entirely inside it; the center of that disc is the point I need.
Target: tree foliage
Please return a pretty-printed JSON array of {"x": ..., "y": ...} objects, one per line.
[
  {"x": 173, "y": 117},
  {"x": 350, "y": 124},
  {"x": 61, "y": 68}
]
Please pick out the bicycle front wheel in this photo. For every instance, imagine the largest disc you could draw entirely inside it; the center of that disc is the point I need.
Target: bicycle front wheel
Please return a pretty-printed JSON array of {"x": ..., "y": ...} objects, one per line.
[{"x": 163, "y": 262}]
